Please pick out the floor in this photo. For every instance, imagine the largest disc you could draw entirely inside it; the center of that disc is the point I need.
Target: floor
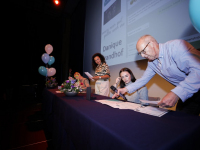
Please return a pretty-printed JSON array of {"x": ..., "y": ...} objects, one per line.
[{"x": 22, "y": 126}]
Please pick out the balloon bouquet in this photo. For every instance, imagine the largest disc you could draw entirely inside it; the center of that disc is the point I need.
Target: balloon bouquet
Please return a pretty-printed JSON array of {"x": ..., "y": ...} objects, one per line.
[{"x": 48, "y": 60}]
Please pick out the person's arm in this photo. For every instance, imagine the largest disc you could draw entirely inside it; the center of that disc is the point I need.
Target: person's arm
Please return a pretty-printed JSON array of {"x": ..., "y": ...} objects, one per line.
[
  {"x": 101, "y": 77},
  {"x": 86, "y": 83},
  {"x": 169, "y": 100},
  {"x": 143, "y": 93},
  {"x": 105, "y": 70},
  {"x": 187, "y": 59},
  {"x": 118, "y": 79}
]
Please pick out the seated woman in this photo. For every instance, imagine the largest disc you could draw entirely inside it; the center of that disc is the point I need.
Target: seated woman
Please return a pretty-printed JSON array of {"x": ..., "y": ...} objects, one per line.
[
  {"x": 83, "y": 82},
  {"x": 125, "y": 78}
]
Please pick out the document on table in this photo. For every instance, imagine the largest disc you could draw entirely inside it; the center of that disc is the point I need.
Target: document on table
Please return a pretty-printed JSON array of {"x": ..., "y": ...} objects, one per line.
[
  {"x": 154, "y": 111},
  {"x": 89, "y": 75},
  {"x": 149, "y": 102},
  {"x": 119, "y": 104}
]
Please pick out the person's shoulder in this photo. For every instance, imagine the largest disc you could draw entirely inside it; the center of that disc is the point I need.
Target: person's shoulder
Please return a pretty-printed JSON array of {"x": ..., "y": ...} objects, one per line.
[
  {"x": 104, "y": 64},
  {"x": 84, "y": 79},
  {"x": 177, "y": 42},
  {"x": 176, "y": 45}
]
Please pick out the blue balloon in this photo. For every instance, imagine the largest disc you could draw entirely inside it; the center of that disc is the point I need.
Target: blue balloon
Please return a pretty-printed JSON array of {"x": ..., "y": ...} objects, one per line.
[
  {"x": 194, "y": 11},
  {"x": 42, "y": 70},
  {"x": 51, "y": 60},
  {"x": 45, "y": 58}
]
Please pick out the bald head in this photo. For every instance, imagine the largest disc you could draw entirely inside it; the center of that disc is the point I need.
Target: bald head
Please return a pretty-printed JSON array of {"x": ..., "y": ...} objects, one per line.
[
  {"x": 148, "y": 47},
  {"x": 144, "y": 40}
]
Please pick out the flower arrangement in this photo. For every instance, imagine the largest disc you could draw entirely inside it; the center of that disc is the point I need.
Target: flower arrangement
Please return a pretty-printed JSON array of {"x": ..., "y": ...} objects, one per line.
[
  {"x": 51, "y": 82},
  {"x": 71, "y": 85}
]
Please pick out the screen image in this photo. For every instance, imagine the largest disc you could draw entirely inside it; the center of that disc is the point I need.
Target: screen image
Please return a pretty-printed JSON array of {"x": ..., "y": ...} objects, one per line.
[
  {"x": 113, "y": 27},
  {"x": 123, "y": 22}
]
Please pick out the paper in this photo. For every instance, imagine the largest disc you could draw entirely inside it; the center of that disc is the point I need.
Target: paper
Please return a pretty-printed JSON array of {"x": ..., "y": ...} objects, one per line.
[
  {"x": 58, "y": 92},
  {"x": 154, "y": 111},
  {"x": 149, "y": 102},
  {"x": 89, "y": 75}
]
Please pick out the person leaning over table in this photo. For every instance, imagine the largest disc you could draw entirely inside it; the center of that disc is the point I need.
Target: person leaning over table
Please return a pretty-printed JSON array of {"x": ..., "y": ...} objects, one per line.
[
  {"x": 102, "y": 74},
  {"x": 176, "y": 61},
  {"x": 84, "y": 83},
  {"x": 126, "y": 78}
]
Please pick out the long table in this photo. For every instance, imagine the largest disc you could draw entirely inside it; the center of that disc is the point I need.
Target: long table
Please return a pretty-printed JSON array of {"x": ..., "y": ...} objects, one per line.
[{"x": 78, "y": 123}]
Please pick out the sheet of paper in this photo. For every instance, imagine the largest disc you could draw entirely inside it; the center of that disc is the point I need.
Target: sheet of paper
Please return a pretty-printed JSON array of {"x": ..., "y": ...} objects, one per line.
[
  {"x": 89, "y": 75},
  {"x": 149, "y": 102},
  {"x": 154, "y": 111},
  {"x": 113, "y": 103}
]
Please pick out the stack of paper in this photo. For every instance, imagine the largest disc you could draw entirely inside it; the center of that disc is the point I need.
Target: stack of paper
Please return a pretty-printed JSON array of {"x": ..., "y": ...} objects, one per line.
[
  {"x": 154, "y": 111},
  {"x": 89, "y": 76}
]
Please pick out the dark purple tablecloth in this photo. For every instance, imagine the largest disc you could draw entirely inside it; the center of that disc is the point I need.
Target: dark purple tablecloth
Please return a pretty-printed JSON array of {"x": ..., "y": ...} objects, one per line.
[{"x": 77, "y": 123}]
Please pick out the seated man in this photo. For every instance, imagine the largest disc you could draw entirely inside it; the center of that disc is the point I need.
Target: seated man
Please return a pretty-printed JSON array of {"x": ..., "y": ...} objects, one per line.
[{"x": 84, "y": 83}]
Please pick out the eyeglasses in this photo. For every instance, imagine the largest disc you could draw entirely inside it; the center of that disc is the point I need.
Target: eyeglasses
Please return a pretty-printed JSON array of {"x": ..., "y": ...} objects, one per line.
[{"x": 143, "y": 51}]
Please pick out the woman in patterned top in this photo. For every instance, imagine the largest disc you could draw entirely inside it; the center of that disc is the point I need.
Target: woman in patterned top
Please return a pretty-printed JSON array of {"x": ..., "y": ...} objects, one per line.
[
  {"x": 125, "y": 78},
  {"x": 102, "y": 74}
]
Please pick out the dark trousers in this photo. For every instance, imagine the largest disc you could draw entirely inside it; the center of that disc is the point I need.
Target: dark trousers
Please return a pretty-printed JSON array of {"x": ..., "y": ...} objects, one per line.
[{"x": 191, "y": 105}]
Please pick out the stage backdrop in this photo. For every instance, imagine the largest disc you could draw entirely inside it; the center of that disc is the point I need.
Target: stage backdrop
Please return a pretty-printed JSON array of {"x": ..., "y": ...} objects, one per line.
[{"x": 112, "y": 28}]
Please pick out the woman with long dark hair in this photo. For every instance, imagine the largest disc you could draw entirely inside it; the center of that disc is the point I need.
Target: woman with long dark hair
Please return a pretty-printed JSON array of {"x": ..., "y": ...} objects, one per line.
[
  {"x": 102, "y": 74},
  {"x": 125, "y": 78}
]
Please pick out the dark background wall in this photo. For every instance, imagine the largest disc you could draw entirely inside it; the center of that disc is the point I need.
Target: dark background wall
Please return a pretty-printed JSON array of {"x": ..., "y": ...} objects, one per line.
[{"x": 30, "y": 25}]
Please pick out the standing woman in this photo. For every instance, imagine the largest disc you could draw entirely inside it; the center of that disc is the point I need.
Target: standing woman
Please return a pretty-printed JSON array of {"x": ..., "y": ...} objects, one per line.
[{"x": 102, "y": 74}]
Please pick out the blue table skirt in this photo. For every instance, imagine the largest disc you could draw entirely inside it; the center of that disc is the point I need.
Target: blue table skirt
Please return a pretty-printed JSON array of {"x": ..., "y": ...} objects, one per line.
[{"x": 77, "y": 123}]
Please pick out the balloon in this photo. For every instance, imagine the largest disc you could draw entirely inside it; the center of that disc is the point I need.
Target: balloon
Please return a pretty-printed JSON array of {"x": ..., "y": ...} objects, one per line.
[
  {"x": 51, "y": 60},
  {"x": 48, "y": 48},
  {"x": 42, "y": 70},
  {"x": 51, "y": 72},
  {"x": 194, "y": 11},
  {"x": 45, "y": 58}
]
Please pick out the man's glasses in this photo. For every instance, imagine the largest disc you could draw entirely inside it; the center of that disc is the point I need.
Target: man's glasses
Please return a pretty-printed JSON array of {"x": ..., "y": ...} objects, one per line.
[{"x": 143, "y": 51}]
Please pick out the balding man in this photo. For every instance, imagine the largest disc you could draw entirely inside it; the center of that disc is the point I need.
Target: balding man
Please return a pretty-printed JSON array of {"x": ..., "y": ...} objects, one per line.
[{"x": 176, "y": 61}]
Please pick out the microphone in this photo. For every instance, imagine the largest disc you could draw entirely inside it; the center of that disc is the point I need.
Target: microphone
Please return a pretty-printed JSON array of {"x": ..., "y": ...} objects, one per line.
[{"x": 115, "y": 90}]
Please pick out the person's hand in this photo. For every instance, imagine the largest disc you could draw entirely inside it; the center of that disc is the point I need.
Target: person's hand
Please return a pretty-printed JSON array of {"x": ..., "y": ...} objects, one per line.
[
  {"x": 115, "y": 95},
  {"x": 95, "y": 77},
  {"x": 169, "y": 100},
  {"x": 118, "y": 79},
  {"x": 122, "y": 91}
]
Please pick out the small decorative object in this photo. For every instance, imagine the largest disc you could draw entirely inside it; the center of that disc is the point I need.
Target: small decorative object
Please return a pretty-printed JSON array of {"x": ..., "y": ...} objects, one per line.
[
  {"x": 70, "y": 87},
  {"x": 51, "y": 82}
]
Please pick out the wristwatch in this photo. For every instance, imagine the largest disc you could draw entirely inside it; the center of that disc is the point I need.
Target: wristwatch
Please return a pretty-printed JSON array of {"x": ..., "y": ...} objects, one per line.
[{"x": 100, "y": 77}]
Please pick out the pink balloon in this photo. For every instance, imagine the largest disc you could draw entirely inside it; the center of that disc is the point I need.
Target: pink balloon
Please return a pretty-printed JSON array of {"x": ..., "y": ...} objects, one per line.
[
  {"x": 51, "y": 72},
  {"x": 48, "y": 48}
]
